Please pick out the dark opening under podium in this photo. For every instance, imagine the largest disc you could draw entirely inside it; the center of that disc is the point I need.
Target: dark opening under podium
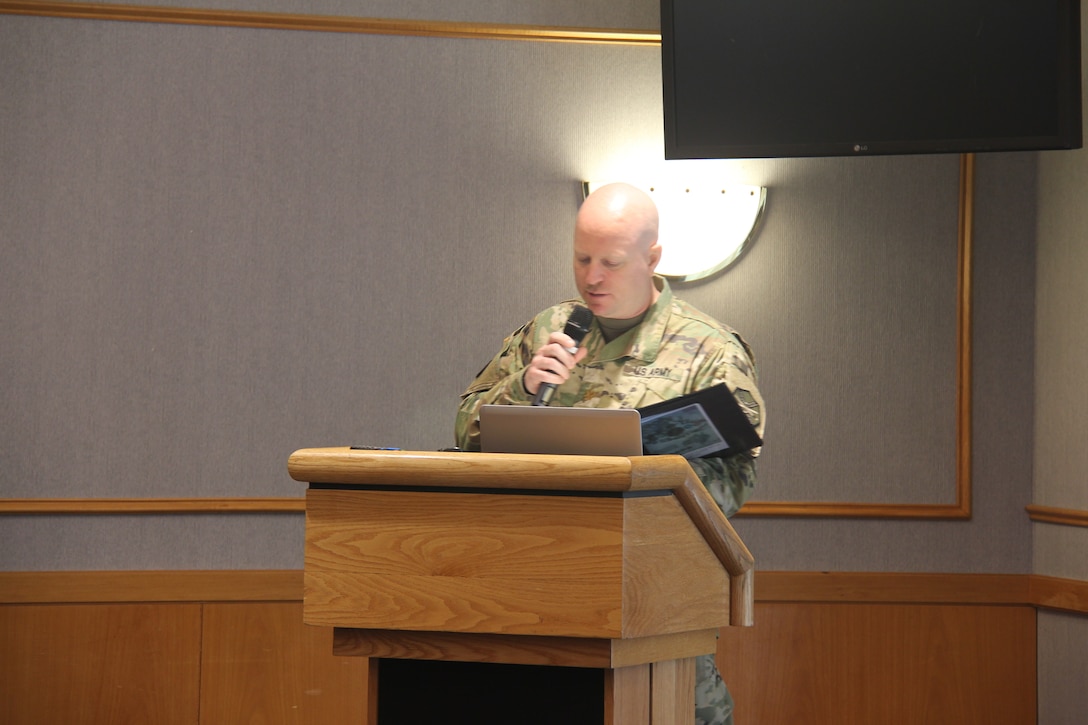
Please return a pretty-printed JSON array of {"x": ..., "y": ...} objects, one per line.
[{"x": 619, "y": 568}]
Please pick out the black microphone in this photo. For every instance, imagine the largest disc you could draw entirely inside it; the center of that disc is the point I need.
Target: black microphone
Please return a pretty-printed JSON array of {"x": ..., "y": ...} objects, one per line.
[{"x": 576, "y": 328}]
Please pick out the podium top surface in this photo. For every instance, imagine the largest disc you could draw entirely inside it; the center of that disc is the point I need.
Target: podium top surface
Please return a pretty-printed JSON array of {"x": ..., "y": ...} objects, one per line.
[{"x": 613, "y": 474}]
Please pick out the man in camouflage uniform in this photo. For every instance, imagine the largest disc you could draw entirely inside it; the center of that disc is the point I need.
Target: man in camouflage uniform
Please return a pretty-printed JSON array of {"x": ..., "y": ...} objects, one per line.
[{"x": 644, "y": 346}]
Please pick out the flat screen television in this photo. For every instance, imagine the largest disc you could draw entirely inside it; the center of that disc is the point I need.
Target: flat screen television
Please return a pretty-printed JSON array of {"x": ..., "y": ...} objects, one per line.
[{"x": 788, "y": 78}]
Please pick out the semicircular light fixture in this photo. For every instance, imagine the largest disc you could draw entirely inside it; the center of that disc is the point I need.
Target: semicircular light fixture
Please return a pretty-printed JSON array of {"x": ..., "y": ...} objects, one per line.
[{"x": 703, "y": 228}]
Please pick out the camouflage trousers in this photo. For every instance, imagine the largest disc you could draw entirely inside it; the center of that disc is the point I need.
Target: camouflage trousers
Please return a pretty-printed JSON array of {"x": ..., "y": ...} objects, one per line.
[{"x": 713, "y": 703}]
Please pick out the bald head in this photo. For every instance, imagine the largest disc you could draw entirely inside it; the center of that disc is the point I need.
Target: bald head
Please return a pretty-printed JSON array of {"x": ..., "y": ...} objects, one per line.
[
  {"x": 616, "y": 251},
  {"x": 620, "y": 210}
]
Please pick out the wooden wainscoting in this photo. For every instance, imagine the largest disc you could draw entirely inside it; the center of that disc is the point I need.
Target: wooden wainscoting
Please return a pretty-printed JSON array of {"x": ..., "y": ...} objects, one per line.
[
  {"x": 169, "y": 647},
  {"x": 261, "y": 664},
  {"x": 882, "y": 663},
  {"x": 100, "y": 663},
  {"x": 873, "y": 648},
  {"x": 230, "y": 647}
]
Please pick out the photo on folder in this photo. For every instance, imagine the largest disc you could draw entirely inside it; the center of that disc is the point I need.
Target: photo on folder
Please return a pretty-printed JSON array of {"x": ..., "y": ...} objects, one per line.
[
  {"x": 686, "y": 431},
  {"x": 708, "y": 422}
]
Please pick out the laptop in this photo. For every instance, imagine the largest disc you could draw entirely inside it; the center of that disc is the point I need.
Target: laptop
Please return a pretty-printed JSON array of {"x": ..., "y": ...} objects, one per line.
[{"x": 563, "y": 431}]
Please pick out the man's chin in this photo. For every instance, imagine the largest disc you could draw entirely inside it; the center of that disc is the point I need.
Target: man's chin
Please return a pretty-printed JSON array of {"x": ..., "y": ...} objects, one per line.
[{"x": 597, "y": 305}]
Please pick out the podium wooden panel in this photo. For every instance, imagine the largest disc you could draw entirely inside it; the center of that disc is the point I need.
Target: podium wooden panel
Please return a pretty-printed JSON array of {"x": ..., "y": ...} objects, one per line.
[{"x": 622, "y": 564}]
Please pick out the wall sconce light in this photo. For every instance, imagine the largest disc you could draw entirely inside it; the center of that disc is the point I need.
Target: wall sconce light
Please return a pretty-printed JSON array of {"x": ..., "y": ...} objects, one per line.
[{"x": 703, "y": 228}]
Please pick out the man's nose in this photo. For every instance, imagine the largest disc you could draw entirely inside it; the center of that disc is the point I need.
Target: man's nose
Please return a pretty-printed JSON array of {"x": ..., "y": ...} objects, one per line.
[{"x": 595, "y": 274}]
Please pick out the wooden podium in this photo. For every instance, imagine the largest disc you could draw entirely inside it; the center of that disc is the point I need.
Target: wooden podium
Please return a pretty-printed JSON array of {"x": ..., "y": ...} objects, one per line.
[{"x": 625, "y": 565}]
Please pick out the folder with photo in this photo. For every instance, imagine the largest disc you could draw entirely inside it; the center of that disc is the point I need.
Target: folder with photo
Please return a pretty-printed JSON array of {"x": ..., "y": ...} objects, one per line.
[{"x": 708, "y": 422}]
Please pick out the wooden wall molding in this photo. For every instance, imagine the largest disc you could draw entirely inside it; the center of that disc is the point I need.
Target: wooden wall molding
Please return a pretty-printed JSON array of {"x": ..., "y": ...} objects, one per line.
[
  {"x": 1044, "y": 592},
  {"x": 97, "y": 587},
  {"x": 73, "y": 587},
  {"x": 328, "y": 23},
  {"x": 852, "y": 510},
  {"x": 961, "y": 508},
  {"x": 1054, "y": 515},
  {"x": 293, "y": 504},
  {"x": 1067, "y": 595},
  {"x": 892, "y": 588}
]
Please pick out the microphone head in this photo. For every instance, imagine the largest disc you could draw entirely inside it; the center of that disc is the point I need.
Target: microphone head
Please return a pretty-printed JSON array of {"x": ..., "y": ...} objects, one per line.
[{"x": 578, "y": 323}]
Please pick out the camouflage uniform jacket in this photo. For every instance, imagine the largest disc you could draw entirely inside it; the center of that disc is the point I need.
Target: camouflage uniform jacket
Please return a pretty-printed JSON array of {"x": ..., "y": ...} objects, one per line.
[{"x": 675, "y": 350}]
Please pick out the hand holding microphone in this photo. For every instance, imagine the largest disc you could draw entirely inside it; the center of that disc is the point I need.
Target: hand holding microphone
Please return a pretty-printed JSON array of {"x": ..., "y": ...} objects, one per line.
[{"x": 551, "y": 365}]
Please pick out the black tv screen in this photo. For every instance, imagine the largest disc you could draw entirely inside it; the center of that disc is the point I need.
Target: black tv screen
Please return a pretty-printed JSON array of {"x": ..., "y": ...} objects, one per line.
[{"x": 785, "y": 78}]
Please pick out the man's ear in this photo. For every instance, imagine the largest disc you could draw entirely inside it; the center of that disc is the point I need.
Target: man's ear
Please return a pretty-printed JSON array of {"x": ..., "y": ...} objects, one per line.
[{"x": 655, "y": 255}]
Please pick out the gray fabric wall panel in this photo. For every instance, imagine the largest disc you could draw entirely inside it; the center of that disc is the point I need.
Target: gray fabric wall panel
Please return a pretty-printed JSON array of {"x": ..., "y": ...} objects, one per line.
[
  {"x": 1061, "y": 367},
  {"x": 853, "y": 272},
  {"x": 238, "y": 242},
  {"x": 1061, "y": 402},
  {"x": 998, "y": 537},
  {"x": 1060, "y": 551},
  {"x": 220, "y": 245},
  {"x": 152, "y": 543},
  {"x": 1061, "y": 413},
  {"x": 1062, "y": 661}
]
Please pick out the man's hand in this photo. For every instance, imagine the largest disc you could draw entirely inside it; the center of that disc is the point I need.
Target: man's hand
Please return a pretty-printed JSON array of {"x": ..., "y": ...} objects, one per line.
[{"x": 553, "y": 362}]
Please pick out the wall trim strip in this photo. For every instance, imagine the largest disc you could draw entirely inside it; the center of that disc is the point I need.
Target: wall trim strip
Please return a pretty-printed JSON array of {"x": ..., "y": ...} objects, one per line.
[
  {"x": 1066, "y": 595},
  {"x": 892, "y": 587},
  {"x": 290, "y": 504},
  {"x": 97, "y": 587},
  {"x": 328, "y": 23},
  {"x": 815, "y": 509},
  {"x": 1055, "y": 515},
  {"x": 87, "y": 587}
]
